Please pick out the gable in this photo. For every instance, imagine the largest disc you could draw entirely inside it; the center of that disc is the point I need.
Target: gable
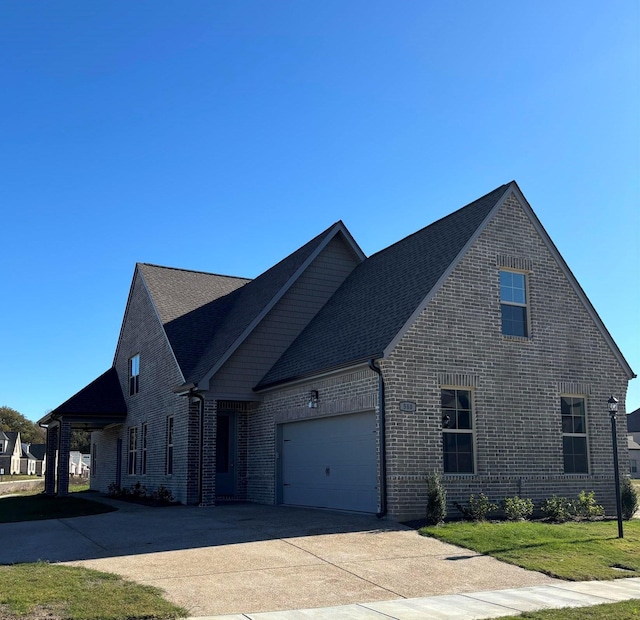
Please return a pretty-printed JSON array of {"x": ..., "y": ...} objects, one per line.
[
  {"x": 285, "y": 320},
  {"x": 376, "y": 301}
]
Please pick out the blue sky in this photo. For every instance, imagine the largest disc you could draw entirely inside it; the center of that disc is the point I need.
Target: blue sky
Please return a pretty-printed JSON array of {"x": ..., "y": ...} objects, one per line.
[{"x": 221, "y": 136}]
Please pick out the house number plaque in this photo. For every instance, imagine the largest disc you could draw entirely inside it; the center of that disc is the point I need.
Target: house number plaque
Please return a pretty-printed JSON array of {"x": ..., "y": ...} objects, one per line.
[{"x": 408, "y": 406}]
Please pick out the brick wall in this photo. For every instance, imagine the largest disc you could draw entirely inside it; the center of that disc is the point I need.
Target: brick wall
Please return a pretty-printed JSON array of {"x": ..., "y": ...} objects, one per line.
[
  {"x": 516, "y": 382},
  {"x": 142, "y": 334}
]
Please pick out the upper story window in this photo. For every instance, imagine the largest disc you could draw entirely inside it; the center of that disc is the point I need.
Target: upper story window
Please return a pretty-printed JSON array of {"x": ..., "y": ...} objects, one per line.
[
  {"x": 574, "y": 435},
  {"x": 169, "y": 459},
  {"x": 134, "y": 375},
  {"x": 513, "y": 303},
  {"x": 457, "y": 431}
]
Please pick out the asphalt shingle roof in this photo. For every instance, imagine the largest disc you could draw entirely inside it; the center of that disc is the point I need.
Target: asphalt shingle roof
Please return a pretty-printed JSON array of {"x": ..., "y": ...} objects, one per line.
[
  {"x": 103, "y": 396},
  {"x": 205, "y": 314},
  {"x": 633, "y": 421},
  {"x": 380, "y": 295}
]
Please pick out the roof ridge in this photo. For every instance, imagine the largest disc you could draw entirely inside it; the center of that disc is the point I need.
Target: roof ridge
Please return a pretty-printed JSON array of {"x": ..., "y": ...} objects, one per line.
[
  {"x": 206, "y": 273},
  {"x": 443, "y": 218}
]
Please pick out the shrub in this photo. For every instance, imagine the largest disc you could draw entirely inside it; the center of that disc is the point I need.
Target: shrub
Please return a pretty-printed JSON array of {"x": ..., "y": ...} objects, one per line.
[
  {"x": 587, "y": 508},
  {"x": 162, "y": 495},
  {"x": 517, "y": 508},
  {"x": 113, "y": 490},
  {"x": 628, "y": 498},
  {"x": 436, "y": 500},
  {"x": 558, "y": 509},
  {"x": 478, "y": 508}
]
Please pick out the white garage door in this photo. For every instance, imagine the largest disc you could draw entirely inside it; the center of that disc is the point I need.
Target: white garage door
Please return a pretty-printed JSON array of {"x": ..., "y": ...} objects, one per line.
[{"x": 331, "y": 463}]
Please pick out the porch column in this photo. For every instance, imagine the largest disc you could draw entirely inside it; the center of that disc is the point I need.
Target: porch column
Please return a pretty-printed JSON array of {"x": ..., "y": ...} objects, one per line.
[
  {"x": 209, "y": 453},
  {"x": 50, "y": 471},
  {"x": 63, "y": 457}
]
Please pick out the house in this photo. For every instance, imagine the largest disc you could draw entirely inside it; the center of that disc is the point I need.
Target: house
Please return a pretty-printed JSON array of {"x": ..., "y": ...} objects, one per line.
[
  {"x": 341, "y": 381},
  {"x": 27, "y": 461},
  {"x": 78, "y": 464},
  {"x": 10, "y": 452},
  {"x": 39, "y": 452},
  {"x": 633, "y": 441}
]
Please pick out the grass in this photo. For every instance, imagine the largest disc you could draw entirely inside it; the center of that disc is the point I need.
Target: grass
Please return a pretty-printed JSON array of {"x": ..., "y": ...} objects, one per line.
[
  {"x": 38, "y": 507},
  {"x": 71, "y": 593},
  {"x": 614, "y": 611},
  {"x": 574, "y": 551}
]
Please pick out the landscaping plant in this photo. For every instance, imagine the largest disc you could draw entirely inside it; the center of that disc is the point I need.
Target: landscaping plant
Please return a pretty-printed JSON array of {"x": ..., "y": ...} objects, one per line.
[
  {"x": 517, "y": 508},
  {"x": 436, "y": 500},
  {"x": 478, "y": 508},
  {"x": 628, "y": 498},
  {"x": 557, "y": 509},
  {"x": 587, "y": 508}
]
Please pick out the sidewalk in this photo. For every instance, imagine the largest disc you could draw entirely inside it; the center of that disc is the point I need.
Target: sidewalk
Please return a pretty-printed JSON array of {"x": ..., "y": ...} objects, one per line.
[{"x": 488, "y": 604}]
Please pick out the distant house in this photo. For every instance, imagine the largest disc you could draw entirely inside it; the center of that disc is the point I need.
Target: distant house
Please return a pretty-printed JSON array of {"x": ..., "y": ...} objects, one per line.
[
  {"x": 633, "y": 440},
  {"x": 341, "y": 381},
  {"x": 10, "y": 452},
  {"x": 28, "y": 461},
  {"x": 78, "y": 464},
  {"x": 39, "y": 452}
]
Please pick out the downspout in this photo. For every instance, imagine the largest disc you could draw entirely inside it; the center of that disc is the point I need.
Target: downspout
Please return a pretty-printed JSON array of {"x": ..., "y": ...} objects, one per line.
[
  {"x": 383, "y": 441},
  {"x": 200, "y": 397}
]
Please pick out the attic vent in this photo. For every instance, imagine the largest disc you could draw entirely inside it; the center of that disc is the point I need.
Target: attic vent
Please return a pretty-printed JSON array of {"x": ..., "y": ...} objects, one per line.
[
  {"x": 457, "y": 379},
  {"x": 514, "y": 262},
  {"x": 233, "y": 405},
  {"x": 573, "y": 387}
]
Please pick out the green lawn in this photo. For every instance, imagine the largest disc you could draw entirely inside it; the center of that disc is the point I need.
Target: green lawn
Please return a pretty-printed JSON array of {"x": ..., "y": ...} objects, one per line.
[
  {"x": 37, "y": 507},
  {"x": 70, "y": 593},
  {"x": 573, "y": 551},
  {"x": 626, "y": 610}
]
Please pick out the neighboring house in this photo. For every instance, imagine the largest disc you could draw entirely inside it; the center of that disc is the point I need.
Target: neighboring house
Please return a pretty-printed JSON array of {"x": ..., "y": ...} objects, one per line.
[
  {"x": 340, "y": 381},
  {"x": 633, "y": 439},
  {"x": 39, "y": 452},
  {"x": 10, "y": 452},
  {"x": 27, "y": 461},
  {"x": 78, "y": 464}
]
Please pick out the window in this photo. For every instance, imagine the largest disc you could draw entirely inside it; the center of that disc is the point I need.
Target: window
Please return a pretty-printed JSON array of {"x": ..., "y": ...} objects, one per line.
[
  {"x": 94, "y": 460},
  {"x": 134, "y": 375},
  {"x": 169, "y": 465},
  {"x": 457, "y": 431},
  {"x": 574, "y": 435},
  {"x": 143, "y": 463},
  {"x": 634, "y": 466},
  {"x": 133, "y": 449},
  {"x": 513, "y": 303}
]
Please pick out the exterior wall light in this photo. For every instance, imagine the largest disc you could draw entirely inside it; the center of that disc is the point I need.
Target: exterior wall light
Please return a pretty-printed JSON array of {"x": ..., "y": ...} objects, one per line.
[{"x": 313, "y": 399}]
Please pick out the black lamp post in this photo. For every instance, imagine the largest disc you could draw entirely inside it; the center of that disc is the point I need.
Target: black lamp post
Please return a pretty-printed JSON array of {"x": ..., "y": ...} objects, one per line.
[{"x": 613, "y": 410}]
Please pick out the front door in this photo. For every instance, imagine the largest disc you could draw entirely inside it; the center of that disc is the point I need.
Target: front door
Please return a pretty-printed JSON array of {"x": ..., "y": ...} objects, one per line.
[{"x": 226, "y": 454}]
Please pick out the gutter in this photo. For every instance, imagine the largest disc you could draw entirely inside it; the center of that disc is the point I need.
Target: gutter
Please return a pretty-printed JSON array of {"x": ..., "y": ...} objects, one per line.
[
  {"x": 383, "y": 440},
  {"x": 189, "y": 390}
]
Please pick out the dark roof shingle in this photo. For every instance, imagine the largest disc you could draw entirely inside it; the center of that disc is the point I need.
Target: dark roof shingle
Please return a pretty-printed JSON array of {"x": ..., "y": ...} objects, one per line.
[{"x": 380, "y": 295}]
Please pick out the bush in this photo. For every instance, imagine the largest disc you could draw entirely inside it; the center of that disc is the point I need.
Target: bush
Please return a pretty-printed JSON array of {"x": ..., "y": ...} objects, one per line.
[
  {"x": 587, "y": 508},
  {"x": 628, "y": 498},
  {"x": 517, "y": 508},
  {"x": 478, "y": 508},
  {"x": 557, "y": 509},
  {"x": 436, "y": 500}
]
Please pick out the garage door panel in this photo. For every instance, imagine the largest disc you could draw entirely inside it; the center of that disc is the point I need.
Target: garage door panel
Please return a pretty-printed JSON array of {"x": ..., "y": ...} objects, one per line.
[{"x": 331, "y": 462}]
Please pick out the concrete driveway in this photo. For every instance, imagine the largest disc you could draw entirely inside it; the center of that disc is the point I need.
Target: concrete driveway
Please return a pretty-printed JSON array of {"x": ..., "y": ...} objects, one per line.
[{"x": 247, "y": 558}]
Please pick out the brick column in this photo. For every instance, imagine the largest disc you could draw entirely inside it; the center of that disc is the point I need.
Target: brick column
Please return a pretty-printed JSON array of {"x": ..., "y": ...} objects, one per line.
[
  {"x": 209, "y": 453},
  {"x": 63, "y": 457},
  {"x": 50, "y": 471},
  {"x": 193, "y": 450}
]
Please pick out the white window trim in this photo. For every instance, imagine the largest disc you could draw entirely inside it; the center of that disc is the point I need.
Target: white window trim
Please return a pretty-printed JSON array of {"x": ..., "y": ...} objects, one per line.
[{"x": 526, "y": 305}]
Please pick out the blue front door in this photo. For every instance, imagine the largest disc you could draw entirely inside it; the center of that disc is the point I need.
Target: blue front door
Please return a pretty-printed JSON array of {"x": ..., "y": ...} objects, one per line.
[{"x": 226, "y": 439}]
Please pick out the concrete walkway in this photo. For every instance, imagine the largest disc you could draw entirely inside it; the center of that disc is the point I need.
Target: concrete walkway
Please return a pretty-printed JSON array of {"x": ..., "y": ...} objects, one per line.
[
  {"x": 264, "y": 561},
  {"x": 474, "y": 605}
]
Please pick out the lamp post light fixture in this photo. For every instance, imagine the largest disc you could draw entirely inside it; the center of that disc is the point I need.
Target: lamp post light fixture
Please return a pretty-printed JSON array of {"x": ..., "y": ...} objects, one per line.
[{"x": 613, "y": 411}]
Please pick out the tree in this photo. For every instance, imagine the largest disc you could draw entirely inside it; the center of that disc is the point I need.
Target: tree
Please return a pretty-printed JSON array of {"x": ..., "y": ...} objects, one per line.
[
  {"x": 81, "y": 441},
  {"x": 12, "y": 420}
]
